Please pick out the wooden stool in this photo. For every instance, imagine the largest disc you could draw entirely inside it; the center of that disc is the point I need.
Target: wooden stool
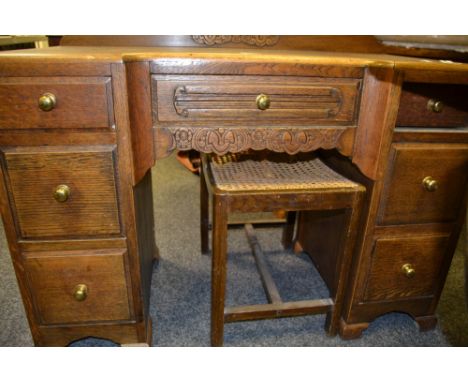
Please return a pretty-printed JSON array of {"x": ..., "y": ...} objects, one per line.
[{"x": 251, "y": 182}]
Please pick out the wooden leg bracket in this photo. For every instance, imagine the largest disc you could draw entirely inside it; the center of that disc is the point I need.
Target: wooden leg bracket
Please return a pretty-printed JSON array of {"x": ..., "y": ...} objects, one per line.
[{"x": 276, "y": 308}]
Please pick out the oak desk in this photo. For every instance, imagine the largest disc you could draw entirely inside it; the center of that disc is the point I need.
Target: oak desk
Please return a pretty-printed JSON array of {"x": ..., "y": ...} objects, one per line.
[{"x": 81, "y": 127}]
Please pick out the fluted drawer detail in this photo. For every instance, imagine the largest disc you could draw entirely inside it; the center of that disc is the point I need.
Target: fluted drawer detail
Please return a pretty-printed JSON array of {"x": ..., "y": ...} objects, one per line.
[
  {"x": 35, "y": 175},
  {"x": 297, "y": 101}
]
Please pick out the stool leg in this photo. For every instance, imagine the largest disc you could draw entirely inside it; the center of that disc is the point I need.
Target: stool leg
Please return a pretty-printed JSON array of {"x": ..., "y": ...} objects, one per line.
[
  {"x": 204, "y": 213},
  {"x": 288, "y": 231},
  {"x": 344, "y": 259},
  {"x": 218, "y": 270}
]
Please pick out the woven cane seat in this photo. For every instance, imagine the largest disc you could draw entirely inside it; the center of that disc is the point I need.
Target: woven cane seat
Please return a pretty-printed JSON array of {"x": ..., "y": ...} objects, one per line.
[{"x": 253, "y": 171}]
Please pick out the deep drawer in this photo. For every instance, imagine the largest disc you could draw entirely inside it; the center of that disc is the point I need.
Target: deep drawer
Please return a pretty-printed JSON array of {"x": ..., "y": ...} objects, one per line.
[
  {"x": 433, "y": 105},
  {"x": 425, "y": 183},
  {"x": 62, "y": 191},
  {"x": 78, "y": 286},
  {"x": 74, "y": 102},
  {"x": 295, "y": 100},
  {"x": 405, "y": 267}
]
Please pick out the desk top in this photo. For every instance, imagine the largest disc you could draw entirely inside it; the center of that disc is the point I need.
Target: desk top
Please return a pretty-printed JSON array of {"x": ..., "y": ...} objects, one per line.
[
  {"x": 416, "y": 69},
  {"x": 125, "y": 54}
]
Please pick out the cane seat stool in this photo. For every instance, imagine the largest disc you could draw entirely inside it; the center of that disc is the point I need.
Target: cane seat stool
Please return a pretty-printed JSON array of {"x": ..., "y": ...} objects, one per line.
[{"x": 267, "y": 182}]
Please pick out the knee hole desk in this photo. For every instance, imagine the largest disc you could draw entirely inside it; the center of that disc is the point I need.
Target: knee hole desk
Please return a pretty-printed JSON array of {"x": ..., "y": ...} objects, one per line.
[{"x": 80, "y": 127}]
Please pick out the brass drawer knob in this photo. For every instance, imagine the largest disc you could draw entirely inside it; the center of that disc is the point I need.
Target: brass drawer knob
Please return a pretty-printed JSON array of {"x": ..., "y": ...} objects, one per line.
[
  {"x": 62, "y": 193},
  {"x": 408, "y": 270},
  {"x": 81, "y": 292},
  {"x": 47, "y": 102},
  {"x": 435, "y": 105},
  {"x": 430, "y": 184},
  {"x": 263, "y": 101}
]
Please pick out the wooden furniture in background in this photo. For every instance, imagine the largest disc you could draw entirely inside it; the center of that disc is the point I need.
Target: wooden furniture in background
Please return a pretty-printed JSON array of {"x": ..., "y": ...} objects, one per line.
[
  {"x": 23, "y": 42},
  {"x": 369, "y": 114},
  {"x": 252, "y": 183}
]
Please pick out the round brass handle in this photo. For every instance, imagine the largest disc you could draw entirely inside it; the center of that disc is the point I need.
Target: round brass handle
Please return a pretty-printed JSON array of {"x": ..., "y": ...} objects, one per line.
[
  {"x": 408, "y": 270},
  {"x": 435, "y": 105},
  {"x": 430, "y": 184},
  {"x": 263, "y": 101},
  {"x": 62, "y": 193},
  {"x": 47, "y": 102},
  {"x": 81, "y": 292}
]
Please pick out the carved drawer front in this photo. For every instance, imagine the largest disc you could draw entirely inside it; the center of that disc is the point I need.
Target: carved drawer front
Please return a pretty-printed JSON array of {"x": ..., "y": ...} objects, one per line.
[
  {"x": 62, "y": 191},
  {"x": 56, "y": 102},
  {"x": 278, "y": 100},
  {"x": 78, "y": 286},
  {"x": 405, "y": 267},
  {"x": 425, "y": 183},
  {"x": 433, "y": 105}
]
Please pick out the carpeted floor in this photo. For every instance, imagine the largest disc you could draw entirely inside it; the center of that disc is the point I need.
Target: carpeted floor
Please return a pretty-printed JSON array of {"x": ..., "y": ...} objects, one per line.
[{"x": 180, "y": 288}]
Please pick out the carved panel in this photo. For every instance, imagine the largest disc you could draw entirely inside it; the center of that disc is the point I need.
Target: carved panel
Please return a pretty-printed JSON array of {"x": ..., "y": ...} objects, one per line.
[
  {"x": 254, "y": 40},
  {"x": 293, "y": 101},
  {"x": 223, "y": 140},
  {"x": 319, "y": 102}
]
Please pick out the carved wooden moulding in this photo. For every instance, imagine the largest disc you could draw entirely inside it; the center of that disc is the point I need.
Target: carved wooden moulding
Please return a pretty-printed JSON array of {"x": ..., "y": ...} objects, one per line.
[
  {"x": 295, "y": 101},
  {"x": 258, "y": 40},
  {"x": 318, "y": 102},
  {"x": 223, "y": 140}
]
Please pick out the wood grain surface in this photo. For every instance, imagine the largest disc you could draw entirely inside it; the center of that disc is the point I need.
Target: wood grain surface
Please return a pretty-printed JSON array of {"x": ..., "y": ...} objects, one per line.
[
  {"x": 405, "y": 200},
  {"x": 54, "y": 276},
  {"x": 386, "y": 279},
  {"x": 81, "y": 102},
  {"x": 414, "y": 109},
  {"x": 34, "y": 174}
]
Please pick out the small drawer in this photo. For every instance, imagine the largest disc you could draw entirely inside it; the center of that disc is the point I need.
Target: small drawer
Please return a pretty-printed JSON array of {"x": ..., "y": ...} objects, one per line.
[
  {"x": 56, "y": 102},
  {"x": 78, "y": 286},
  {"x": 278, "y": 100},
  {"x": 425, "y": 183},
  {"x": 405, "y": 267},
  {"x": 62, "y": 191},
  {"x": 433, "y": 105}
]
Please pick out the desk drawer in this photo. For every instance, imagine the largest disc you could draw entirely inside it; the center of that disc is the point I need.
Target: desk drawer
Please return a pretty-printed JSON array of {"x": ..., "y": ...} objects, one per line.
[
  {"x": 78, "y": 286},
  {"x": 405, "y": 267},
  {"x": 433, "y": 105},
  {"x": 410, "y": 194},
  {"x": 276, "y": 100},
  {"x": 62, "y": 191},
  {"x": 68, "y": 102}
]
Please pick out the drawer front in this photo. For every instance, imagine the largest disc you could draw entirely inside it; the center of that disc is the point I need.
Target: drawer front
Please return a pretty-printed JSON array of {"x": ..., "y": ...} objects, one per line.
[
  {"x": 433, "y": 105},
  {"x": 56, "y": 192},
  {"x": 405, "y": 267},
  {"x": 410, "y": 194},
  {"x": 74, "y": 102},
  {"x": 295, "y": 100},
  {"x": 78, "y": 286}
]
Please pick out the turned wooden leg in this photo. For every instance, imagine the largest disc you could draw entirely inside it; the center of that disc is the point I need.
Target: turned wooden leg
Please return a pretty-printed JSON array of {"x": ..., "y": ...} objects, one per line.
[
  {"x": 352, "y": 331},
  {"x": 288, "y": 231},
  {"x": 218, "y": 270},
  {"x": 204, "y": 214},
  {"x": 426, "y": 323}
]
